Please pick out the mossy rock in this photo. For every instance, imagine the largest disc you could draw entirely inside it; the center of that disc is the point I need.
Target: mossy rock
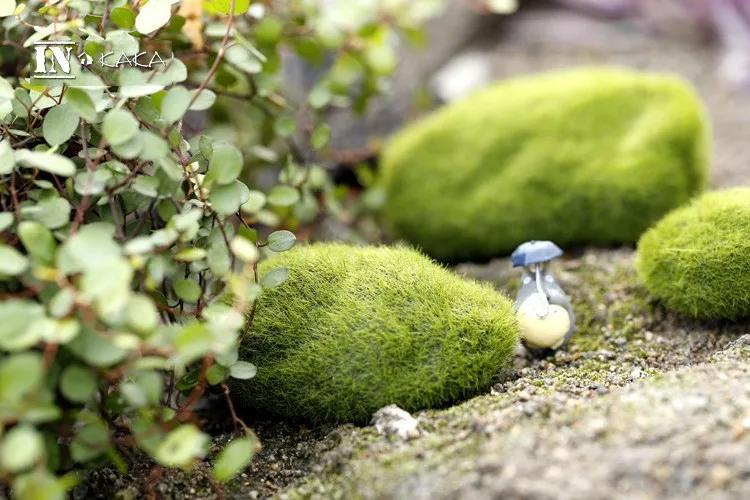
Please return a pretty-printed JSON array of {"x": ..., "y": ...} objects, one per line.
[
  {"x": 697, "y": 259},
  {"x": 588, "y": 156},
  {"x": 356, "y": 328}
]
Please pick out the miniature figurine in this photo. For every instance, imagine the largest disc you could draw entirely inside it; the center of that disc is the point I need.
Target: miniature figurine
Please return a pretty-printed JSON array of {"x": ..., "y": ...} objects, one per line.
[{"x": 544, "y": 312}]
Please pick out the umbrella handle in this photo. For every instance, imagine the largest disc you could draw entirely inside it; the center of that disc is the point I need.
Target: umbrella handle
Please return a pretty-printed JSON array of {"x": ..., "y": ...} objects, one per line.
[{"x": 543, "y": 310}]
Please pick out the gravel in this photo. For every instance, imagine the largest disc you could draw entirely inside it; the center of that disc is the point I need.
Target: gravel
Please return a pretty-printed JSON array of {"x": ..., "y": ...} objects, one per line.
[{"x": 681, "y": 435}]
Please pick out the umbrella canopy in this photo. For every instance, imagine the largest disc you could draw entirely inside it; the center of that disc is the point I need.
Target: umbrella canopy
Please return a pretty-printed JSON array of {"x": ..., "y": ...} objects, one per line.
[{"x": 535, "y": 252}]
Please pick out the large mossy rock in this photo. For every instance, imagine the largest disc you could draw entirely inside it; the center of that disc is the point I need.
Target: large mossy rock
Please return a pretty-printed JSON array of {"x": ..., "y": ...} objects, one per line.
[
  {"x": 697, "y": 259},
  {"x": 588, "y": 156},
  {"x": 356, "y": 328}
]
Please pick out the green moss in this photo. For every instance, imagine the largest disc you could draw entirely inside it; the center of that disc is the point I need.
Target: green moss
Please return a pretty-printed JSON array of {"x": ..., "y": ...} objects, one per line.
[
  {"x": 356, "y": 328},
  {"x": 697, "y": 259},
  {"x": 590, "y": 156}
]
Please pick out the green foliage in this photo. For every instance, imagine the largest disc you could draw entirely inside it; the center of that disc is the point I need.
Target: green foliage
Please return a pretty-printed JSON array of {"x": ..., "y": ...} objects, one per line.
[
  {"x": 234, "y": 458},
  {"x": 119, "y": 230},
  {"x": 697, "y": 259},
  {"x": 589, "y": 156},
  {"x": 354, "y": 329}
]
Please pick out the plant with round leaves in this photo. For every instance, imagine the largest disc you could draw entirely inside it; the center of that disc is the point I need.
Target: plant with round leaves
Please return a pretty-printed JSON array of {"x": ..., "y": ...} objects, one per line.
[{"x": 122, "y": 223}]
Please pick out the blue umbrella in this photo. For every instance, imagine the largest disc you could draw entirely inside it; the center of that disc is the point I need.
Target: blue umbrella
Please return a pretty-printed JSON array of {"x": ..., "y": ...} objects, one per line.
[{"x": 535, "y": 252}]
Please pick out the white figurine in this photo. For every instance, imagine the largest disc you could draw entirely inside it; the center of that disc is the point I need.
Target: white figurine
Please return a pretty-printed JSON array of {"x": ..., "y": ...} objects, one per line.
[{"x": 544, "y": 312}]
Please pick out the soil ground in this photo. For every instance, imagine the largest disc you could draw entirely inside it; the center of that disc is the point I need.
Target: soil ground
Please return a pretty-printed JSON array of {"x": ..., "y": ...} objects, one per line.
[{"x": 642, "y": 404}]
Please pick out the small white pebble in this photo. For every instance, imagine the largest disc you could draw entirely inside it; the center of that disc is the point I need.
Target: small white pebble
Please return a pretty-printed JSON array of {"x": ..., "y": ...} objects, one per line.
[
  {"x": 636, "y": 373},
  {"x": 461, "y": 75},
  {"x": 393, "y": 421},
  {"x": 257, "y": 11}
]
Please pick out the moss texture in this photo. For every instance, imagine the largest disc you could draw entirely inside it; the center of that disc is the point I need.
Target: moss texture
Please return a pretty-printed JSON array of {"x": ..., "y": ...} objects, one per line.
[
  {"x": 697, "y": 259},
  {"x": 588, "y": 156},
  {"x": 357, "y": 328}
]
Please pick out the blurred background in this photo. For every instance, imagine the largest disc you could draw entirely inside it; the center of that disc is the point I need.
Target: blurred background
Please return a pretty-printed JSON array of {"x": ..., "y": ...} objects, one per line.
[{"x": 468, "y": 46}]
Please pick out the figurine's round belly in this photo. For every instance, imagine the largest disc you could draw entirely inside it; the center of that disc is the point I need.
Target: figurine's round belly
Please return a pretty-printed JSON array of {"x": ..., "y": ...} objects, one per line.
[{"x": 543, "y": 333}]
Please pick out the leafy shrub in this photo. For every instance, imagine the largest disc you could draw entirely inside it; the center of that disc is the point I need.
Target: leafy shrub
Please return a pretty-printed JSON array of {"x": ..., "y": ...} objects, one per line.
[
  {"x": 356, "y": 328},
  {"x": 119, "y": 229},
  {"x": 589, "y": 156},
  {"x": 697, "y": 259}
]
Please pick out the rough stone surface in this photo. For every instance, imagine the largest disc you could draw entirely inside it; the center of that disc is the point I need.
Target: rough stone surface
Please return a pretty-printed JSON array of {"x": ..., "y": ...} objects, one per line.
[{"x": 685, "y": 434}]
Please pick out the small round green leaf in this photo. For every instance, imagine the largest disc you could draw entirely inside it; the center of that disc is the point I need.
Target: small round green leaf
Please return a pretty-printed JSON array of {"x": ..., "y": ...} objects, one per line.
[
  {"x": 243, "y": 370},
  {"x": 153, "y": 15},
  {"x": 228, "y": 358},
  {"x": 205, "y": 147},
  {"x": 319, "y": 96},
  {"x": 119, "y": 127},
  {"x": 60, "y": 124},
  {"x": 175, "y": 104},
  {"x": 91, "y": 183},
  {"x": 285, "y": 126},
  {"x": 243, "y": 59},
  {"x": 204, "y": 101},
  {"x": 224, "y": 6},
  {"x": 123, "y": 17},
  {"x": 381, "y": 59},
  {"x": 141, "y": 314},
  {"x": 154, "y": 147},
  {"x": 189, "y": 380},
  {"x": 6, "y": 220},
  {"x": 320, "y": 136},
  {"x": 19, "y": 373},
  {"x": 49, "y": 162},
  {"x": 38, "y": 241},
  {"x": 216, "y": 374},
  {"x": 54, "y": 213},
  {"x": 12, "y": 262},
  {"x": 225, "y": 165},
  {"x": 256, "y": 200},
  {"x": 188, "y": 290},
  {"x": 233, "y": 459},
  {"x": 78, "y": 384},
  {"x": 7, "y": 8},
  {"x": 281, "y": 241},
  {"x": 244, "y": 249},
  {"x": 7, "y": 158},
  {"x": 218, "y": 259},
  {"x": 227, "y": 199},
  {"x": 146, "y": 185},
  {"x": 22, "y": 447},
  {"x": 283, "y": 196},
  {"x": 62, "y": 303},
  {"x": 96, "y": 350},
  {"x": 91, "y": 441},
  {"x": 191, "y": 254},
  {"x": 274, "y": 278},
  {"x": 81, "y": 102},
  {"x": 181, "y": 446}
]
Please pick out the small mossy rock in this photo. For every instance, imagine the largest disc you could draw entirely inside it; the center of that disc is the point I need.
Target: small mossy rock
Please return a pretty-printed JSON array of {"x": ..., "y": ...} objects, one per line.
[
  {"x": 697, "y": 259},
  {"x": 587, "y": 156},
  {"x": 354, "y": 329}
]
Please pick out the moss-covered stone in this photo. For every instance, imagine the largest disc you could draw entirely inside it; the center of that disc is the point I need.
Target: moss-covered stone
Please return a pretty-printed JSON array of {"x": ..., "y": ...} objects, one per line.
[
  {"x": 357, "y": 328},
  {"x": 589, "y": 156},
  {"x": 697, "y": 259}
]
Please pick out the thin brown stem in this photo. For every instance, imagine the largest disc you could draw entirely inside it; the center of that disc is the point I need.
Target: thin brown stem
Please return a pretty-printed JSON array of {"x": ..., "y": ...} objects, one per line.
[{"x": 219, "y": 55}]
